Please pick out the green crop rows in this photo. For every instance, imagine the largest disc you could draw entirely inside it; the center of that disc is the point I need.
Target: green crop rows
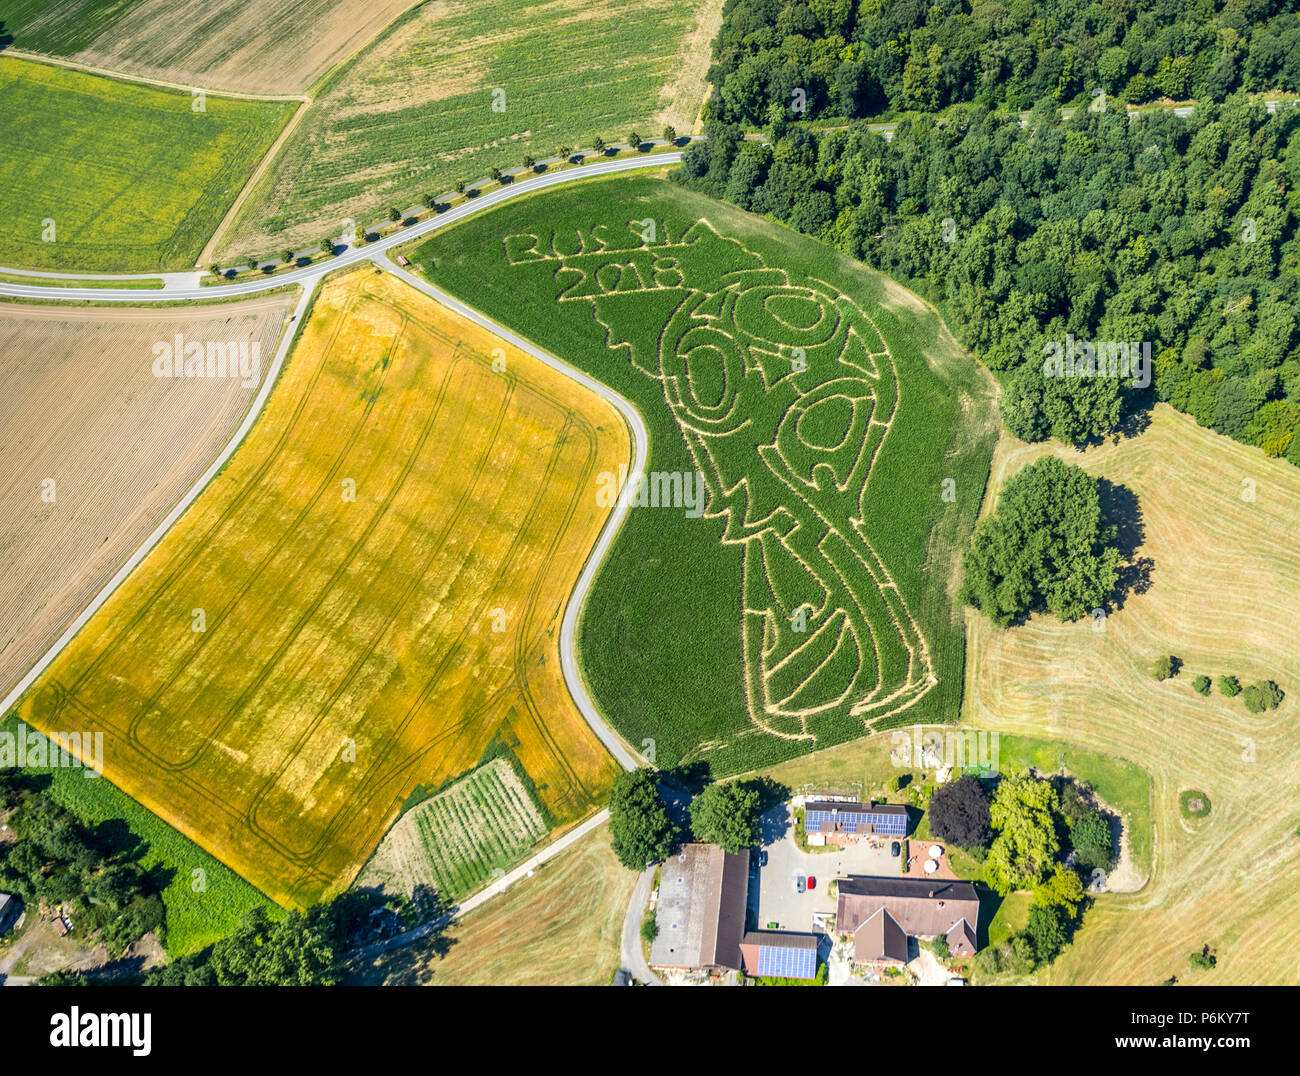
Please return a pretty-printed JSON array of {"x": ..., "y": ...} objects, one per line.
[
  {"x": 485, "y": 821},
  {"x": 62, "y": 29},
  {"x": 829, "y": 417},
  {"x": 415, "y": 112},
  {"x": 98, "y": 174}
]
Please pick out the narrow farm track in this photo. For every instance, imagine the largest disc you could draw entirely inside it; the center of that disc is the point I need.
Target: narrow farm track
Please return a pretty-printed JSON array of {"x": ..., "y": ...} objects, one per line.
[{"x": 184, "y": 287}]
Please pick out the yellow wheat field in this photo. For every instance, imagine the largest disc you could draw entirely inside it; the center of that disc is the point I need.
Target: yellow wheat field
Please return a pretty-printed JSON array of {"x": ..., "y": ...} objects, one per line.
[{"x": 378, "y": 575}]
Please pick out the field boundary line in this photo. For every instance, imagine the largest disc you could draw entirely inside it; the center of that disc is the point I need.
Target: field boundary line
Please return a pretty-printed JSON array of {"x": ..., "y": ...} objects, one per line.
[
  {"x": 553, "y": 849},
  {"x": 613, "y": 742},
  {"x": 290, "y": 334},
  {"x": 350, "y": 256},
  {"x": 209, "y": 248},
  {"x": 122, "y": 76}
]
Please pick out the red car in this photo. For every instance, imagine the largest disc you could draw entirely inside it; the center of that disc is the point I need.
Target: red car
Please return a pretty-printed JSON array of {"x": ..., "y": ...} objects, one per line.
[{"x": 812, "y": 882}]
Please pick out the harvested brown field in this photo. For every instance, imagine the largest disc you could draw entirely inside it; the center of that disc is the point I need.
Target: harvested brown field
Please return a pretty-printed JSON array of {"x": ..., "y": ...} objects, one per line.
[
  {"x": 250, "y": 46},
  {"x": 561, "y": 927},
  {"x": 82, "y": 408},
  {"x": 1218, "y": 520},
  {"x": 363, "y": 603}
]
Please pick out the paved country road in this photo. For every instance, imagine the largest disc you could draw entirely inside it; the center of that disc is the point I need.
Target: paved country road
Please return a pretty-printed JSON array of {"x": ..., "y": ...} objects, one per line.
[
  {"x": 633, "y": 958},
  {"x": 640, "y": 447},
  {"x": 184, "y": 287},
  {"x": 308, "y": 277}
]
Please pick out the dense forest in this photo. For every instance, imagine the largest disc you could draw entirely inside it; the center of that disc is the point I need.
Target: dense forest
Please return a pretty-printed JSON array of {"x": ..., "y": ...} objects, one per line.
[
  {"x": 1172, "y": 232},
  {"x": 836, "y": 58}
]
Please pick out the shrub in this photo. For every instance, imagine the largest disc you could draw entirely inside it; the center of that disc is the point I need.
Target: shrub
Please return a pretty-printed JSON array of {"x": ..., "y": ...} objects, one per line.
[
  {"x": 959, "y": 813},
  {"x": 1204, "y": 960},
  {"x": 394, "y": 214},
  {"x": 649, "y": 929},
  {"x": 1201, "y": 685},
  {"x": 1262, "y": 695},
  {"x": 1230, "y": 686}
]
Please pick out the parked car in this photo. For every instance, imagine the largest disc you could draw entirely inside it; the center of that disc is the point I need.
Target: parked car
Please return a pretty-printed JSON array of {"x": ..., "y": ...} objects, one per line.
[
  {"x": 762, "y": 858},
  {"x": 812, "y": 882},
  {"x": 800, "y": 883},
  {"x": 895, "y": 849}
]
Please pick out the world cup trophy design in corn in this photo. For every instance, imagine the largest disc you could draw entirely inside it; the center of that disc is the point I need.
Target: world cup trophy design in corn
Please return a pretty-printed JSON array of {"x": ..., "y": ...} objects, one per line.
[{"x": 798, "y": 369}]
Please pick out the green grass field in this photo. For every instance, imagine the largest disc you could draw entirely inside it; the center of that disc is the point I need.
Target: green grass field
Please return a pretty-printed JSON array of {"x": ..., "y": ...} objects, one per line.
[
  {"x": 73, "y": 27},
  {"x": 102, "y": 175},
  {"x": 200, "y": 907},
  {"x": 420, "y": 109},
  {"x": 825, "y": 483}
]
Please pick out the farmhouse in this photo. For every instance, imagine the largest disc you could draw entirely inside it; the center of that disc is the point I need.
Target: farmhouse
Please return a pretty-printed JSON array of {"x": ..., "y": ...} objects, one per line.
[
  {"x": 701, "y": 911},
  {"x": 831, "y": 822},
  {"x": 779, "y": 954},
  {"x": 881, "y": 913}
]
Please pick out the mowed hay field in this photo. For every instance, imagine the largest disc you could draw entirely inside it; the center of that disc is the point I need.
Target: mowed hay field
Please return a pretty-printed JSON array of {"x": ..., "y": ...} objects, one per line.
[
  {"x": 1225, "y": 598},
  {"x": 397, "y": 501},
  {"x": 561, "y": 927},
  {"x": 82, "y": 408},
  {"x": 806, "y": 598},
  {"x": 254, "y": 46},
  {"x": 414, "y": 112},
  {"x": 103, "y": 175}
]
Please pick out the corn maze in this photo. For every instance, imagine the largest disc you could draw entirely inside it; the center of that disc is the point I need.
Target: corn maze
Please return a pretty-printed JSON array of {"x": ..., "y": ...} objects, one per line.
[
  {"x": 758, "y": 368},
  {"x": 825, "y": 413}
]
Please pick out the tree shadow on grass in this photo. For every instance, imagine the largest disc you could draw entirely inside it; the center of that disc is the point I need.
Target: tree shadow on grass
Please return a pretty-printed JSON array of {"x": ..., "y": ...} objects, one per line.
[{"x": 1124, "y": 511}]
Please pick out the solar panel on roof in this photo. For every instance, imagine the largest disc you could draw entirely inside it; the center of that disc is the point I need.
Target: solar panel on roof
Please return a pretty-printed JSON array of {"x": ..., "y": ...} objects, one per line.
[
  {"x": 892, "y": 824},
  {"x": 780, "y": 962}
]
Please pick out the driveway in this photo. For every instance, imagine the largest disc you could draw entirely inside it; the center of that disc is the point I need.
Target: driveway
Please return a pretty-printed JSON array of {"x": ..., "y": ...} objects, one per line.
[{"x": 777, "y": 900}]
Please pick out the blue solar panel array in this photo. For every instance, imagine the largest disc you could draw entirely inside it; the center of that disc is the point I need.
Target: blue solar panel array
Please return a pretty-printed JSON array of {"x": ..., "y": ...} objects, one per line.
[
  {"x": 893, "y": 825},
  {"x": 787, "y": 963}
]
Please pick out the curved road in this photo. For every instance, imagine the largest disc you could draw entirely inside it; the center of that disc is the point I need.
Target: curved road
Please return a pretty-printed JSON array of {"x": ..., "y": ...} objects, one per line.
[{"x": 183, "y": 287}]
